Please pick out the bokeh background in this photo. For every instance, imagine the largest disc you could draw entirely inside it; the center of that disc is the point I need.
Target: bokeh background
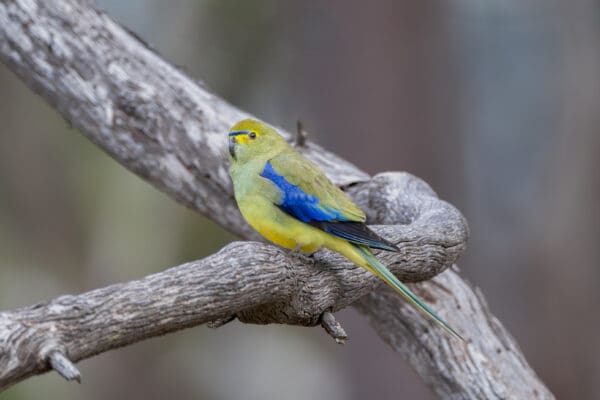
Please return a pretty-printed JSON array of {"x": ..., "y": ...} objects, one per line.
[{"x": 495, "y": 103}]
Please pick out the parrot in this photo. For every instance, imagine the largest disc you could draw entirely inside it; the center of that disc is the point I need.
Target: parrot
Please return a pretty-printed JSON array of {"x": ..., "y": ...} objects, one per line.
[{"x": 292, "y": 203}]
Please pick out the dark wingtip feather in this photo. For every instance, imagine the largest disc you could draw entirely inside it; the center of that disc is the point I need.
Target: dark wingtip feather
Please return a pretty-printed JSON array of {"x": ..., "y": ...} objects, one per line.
[{"x": 355, "y": 232}]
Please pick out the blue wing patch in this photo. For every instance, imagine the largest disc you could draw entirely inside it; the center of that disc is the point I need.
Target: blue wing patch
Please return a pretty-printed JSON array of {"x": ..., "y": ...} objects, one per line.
[
  {"x": 305, "y": 207},
  {"x": 297, "y": 202}
]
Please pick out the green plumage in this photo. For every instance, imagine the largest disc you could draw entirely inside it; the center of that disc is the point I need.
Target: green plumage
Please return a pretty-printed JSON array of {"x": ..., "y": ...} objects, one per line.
[
  {"x": 308, "y": 177},
  {"x": 290, "y": 201}
]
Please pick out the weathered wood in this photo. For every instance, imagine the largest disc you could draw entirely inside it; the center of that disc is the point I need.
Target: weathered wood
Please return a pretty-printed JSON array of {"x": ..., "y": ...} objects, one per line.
[
  {"x": 168, "y": 129},
  {"x": 491, "y": 366}
]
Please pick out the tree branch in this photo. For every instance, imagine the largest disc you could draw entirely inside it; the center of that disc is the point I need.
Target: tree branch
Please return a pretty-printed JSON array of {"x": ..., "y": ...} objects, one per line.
[
  {"x": 255, "y": 282},
  {"x": 165, "y": 127}
]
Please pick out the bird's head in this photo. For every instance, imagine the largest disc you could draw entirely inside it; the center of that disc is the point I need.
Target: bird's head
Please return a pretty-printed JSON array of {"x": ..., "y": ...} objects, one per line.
[{"x": 250, "y": 139}]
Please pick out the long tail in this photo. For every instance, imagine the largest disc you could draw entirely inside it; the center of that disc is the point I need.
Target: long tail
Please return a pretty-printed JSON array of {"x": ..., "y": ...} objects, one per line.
[{"x": 381, "y": 271}]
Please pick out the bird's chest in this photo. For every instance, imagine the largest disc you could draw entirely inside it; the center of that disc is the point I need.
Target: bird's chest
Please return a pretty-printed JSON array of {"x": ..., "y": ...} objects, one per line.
[
  {"x": 247, "y": 183},
  {"x": 269, "y": 221},
  {"x": 257, "y": 199}
]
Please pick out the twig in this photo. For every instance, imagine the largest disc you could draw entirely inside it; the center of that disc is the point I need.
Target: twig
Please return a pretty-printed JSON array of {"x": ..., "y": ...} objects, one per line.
[
  {"x": 333, "y": 328},
  {"x": 301, "y": 134},
  {"x": 61, "y": 364}
]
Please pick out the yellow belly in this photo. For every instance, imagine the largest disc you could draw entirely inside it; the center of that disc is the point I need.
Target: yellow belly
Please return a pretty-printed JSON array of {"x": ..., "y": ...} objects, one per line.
[{"x": 280, "y": 228}]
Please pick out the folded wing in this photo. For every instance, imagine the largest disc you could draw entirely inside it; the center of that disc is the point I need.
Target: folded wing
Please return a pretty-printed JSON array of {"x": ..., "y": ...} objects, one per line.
[{"x": 308, "y": 195}]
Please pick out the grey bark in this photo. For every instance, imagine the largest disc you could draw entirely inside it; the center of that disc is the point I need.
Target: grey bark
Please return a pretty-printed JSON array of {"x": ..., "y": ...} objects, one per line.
[{"x": 168, "y": 129}]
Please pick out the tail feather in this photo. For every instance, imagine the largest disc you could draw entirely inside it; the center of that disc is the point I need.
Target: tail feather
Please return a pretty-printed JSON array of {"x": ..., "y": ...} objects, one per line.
[{"x": 382, "y": 272}]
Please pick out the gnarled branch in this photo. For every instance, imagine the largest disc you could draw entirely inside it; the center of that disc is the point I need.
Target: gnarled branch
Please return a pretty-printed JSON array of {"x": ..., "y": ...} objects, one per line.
[{"x": 162, "y": 125}]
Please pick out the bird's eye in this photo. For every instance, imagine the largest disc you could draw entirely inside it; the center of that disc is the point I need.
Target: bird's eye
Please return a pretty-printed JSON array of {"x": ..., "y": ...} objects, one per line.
[{"x": 252, "y": 135}]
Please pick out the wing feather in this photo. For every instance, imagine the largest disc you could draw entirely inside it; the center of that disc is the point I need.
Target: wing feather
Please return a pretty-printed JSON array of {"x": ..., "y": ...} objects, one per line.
[
  {"x": 309, "y": 179},
  {"x": 308, "y": 195}
]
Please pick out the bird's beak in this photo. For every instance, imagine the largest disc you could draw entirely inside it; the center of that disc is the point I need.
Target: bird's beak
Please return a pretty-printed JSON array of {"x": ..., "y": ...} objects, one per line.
[{"x": 232, "y": 142}]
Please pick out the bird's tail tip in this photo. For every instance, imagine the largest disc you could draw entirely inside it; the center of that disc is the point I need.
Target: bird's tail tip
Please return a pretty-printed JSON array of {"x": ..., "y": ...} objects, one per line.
[{"x": 382, "y": 272}]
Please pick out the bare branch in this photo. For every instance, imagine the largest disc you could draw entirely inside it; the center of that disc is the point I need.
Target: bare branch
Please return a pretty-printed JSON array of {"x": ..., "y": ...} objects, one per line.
[
  {"x": 490, "y": 366},
  {"x": 254, "y": 282},
  {"x": 162, "y": 125}
]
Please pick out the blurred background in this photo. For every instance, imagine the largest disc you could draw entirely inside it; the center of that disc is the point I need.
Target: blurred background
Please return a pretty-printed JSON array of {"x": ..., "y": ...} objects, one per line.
[{"x": 496, "y": 104}]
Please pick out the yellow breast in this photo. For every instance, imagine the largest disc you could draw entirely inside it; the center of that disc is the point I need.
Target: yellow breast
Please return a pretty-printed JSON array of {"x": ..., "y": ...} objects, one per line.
[{"x": 279, "y": 227}]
